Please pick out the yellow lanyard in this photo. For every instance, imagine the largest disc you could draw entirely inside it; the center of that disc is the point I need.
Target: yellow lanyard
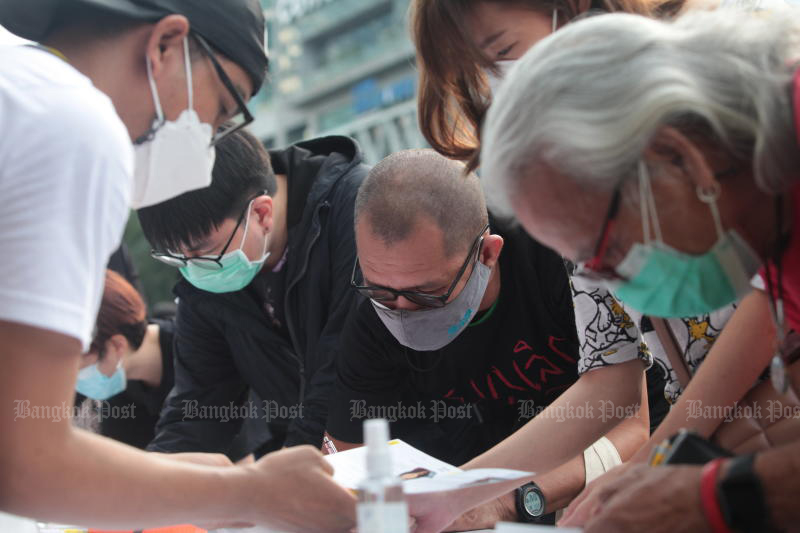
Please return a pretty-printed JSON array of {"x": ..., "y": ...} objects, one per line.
[{"x": 53, "y": 51}]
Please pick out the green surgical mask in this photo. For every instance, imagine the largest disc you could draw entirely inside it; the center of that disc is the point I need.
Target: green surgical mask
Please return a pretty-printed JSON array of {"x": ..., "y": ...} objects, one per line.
[
  {"x": 664, "y": 282},
  {"x": 236, "y": 273}
]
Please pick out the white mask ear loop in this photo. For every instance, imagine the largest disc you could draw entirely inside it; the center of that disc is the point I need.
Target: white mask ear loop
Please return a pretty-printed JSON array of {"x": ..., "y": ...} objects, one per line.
[
  {"x": 154, "y": 90},
  {"x": 555, "y": 20},
  {"x": 648, "y": 205},
  {"x": 265, "y": 253},
  {"x": 709, "y": 196},
  {"x": 654, "y": 213},
  {"x": 246, "y": 226},
  {"x": 187, "y": 61}
]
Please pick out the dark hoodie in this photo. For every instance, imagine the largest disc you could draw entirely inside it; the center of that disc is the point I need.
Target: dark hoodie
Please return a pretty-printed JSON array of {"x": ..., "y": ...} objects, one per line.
[{"x": 228, "y": 350}]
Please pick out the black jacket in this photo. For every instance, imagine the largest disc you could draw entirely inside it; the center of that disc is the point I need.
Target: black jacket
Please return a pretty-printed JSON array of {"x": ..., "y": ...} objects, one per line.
[{"x": 224, "y": 345}]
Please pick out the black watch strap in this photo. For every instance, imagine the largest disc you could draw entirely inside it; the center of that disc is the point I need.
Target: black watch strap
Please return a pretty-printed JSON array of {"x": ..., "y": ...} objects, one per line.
[
  {"x": 741, "y": 497},
  {"x": 530, "y": 503}
]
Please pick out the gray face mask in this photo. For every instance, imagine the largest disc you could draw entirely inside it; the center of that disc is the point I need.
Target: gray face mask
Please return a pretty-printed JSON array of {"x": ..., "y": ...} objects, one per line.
[{"x": 433, "y": 329}]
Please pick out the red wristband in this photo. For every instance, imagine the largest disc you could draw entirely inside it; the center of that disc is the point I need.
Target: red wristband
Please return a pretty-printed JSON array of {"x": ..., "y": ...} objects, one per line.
[{"x": 708, "y": 497}]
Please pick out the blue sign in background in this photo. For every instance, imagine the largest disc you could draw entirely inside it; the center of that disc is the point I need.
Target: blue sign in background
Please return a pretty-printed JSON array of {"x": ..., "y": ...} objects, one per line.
[{"x": 368, "y": 95}]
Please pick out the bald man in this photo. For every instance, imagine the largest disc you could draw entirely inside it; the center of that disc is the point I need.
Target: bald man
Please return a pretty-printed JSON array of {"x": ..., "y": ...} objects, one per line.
[{"x": 467, "y": 332}]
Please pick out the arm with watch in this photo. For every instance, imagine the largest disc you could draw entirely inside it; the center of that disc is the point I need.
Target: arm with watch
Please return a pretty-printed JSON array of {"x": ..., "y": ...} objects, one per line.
[
  {"x": 561, "y": 482},
  {"x": 554, "y": 490}
]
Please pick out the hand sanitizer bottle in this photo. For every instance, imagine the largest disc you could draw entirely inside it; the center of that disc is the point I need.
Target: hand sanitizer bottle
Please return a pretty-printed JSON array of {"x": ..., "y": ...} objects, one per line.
[{"x": 381, "y": 506}]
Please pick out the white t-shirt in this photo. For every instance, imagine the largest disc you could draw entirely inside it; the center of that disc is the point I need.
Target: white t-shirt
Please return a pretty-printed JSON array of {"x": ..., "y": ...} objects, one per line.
[{"x": 66, "y": 172}]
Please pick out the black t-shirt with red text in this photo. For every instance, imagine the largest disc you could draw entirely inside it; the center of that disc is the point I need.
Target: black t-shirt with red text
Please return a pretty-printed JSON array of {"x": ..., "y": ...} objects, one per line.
[{"x": 506, "y": 366}]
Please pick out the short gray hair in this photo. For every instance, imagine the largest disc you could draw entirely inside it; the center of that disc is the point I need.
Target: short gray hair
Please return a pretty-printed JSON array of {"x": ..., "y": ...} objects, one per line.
[
  {"x": 414, "y": 183},
  {"x": 587, "y": 100}
]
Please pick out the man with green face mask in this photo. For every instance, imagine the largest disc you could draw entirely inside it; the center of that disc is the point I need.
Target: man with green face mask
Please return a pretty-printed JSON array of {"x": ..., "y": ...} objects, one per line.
[{"x": 266, "y": 257}]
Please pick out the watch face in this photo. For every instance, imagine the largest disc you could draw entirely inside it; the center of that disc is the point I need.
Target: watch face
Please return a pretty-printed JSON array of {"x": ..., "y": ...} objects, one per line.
[{"x": 534, "y": 503}]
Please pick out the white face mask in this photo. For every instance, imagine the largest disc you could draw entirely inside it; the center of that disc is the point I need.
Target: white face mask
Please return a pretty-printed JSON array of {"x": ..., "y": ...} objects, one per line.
[
  {"x": 504, "y": 66},
  {"x": 178, "y": 156}
]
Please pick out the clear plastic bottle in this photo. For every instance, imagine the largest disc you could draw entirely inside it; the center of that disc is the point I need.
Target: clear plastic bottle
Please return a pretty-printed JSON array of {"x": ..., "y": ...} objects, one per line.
[{"x": 382, "y": 505}]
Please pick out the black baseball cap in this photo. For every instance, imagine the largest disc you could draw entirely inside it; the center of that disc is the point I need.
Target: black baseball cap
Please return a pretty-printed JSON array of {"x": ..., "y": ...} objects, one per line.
[{"x": 234, "y": 27}]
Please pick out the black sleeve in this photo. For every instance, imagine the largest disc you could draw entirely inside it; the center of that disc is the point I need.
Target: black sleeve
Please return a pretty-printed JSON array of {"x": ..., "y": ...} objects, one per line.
[
  {"x": 321, "y": 365},
  {"x": 554, "y": 283},
  {"x": 366, "y": 375},
  {"x": 197, "y": 415},
  {"x": 166, "y": 340}
]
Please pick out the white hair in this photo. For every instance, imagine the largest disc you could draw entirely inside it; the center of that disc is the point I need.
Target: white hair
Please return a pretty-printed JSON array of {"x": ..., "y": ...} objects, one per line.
[{"x": 587, "y": 100}]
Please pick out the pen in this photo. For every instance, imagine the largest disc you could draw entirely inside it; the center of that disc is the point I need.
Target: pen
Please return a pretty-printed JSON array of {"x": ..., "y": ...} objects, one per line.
[
  {"x": 659, "y": 453},
  {"x": 327, "y": 446}
]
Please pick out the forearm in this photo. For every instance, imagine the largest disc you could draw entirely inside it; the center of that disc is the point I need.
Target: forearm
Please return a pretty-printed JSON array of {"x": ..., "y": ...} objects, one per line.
[
  {"x": 308, "y": 427},
  {"x": 121, "y": 487},
  {"x": 677, "y": 419},
  {"x": 561, "y": 485},
  {"x": 632, "y": 433},
  {"x": 591, "y": 395},
  {"x": 732, "y": 366}
]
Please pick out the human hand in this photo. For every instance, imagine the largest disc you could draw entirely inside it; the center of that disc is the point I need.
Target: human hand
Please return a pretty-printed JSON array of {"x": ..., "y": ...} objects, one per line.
[
  {"x": 485, "y": 516},
  {"x": 581, "y": 508},
  {"x": 454, "y": 513},
  {"x": 663, "y": 499},
  {"x": 292, "y": 490}
]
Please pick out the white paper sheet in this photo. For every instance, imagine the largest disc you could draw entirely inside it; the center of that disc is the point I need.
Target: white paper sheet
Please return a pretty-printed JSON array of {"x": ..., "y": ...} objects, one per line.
[
  {"x": 456, "y": 481},
  {"x": 350, "y": 467}
]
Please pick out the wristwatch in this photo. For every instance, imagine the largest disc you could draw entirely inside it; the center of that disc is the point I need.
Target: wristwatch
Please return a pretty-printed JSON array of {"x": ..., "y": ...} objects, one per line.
[
  {"x": 530, "y": 503},
  {"x": 741, "y": 497}
]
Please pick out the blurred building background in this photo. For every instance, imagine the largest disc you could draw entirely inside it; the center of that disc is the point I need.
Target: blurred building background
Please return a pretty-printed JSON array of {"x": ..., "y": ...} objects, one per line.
[{"x": 340, "y": 67}]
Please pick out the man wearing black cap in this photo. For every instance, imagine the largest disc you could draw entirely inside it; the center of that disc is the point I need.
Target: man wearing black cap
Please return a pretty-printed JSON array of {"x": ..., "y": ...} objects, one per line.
[{"x": 111, "y": 83}]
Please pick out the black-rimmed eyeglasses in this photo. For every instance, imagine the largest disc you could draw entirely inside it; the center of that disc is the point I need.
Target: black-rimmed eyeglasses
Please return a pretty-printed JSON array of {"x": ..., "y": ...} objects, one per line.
[
  {"x": 243, "y": 117},
  {"x": 203, "y": 261},
  {"x": 387, "y": 294}
]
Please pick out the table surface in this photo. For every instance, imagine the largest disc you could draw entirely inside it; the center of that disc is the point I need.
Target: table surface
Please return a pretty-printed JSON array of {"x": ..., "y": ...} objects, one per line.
[{"x": 9, "y": 523}]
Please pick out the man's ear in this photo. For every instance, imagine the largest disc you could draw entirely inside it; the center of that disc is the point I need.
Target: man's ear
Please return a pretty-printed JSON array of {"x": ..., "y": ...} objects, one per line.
[
  {"x": 116, "y": 347},
  {"x": 490, "y": 252},
  {"x": 671, "y": 148},
  {"x": 263, "y": 208},
  {"x": 114, "y": 351},
  {"x": 165, "y": 44}
]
